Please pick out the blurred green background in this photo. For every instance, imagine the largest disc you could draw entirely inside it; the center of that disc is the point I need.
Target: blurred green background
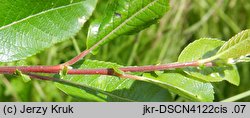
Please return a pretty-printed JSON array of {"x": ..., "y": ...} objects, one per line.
[{"x": 186, "y": 21}]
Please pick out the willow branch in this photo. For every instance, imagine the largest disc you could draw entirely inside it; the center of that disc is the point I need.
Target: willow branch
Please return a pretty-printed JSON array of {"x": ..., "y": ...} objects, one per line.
[
  {"x": 102, "y": 71},
  {"x": 28, "y": 69}
]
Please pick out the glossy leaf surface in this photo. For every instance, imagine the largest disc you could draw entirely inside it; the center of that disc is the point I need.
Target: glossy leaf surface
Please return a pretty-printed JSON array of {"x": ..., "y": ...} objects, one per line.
[{"x": 28, "y": 27}]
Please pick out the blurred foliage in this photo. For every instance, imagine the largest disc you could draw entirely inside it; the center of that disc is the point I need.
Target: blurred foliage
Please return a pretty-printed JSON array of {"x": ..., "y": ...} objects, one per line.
[{"x": 186, "y": 21}]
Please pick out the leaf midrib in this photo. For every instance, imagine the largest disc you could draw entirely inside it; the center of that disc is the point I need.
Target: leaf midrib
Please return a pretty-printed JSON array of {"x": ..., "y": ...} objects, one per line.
[
  {"x": 124, "y": 23},
  {"x": 38, "y": 14}
]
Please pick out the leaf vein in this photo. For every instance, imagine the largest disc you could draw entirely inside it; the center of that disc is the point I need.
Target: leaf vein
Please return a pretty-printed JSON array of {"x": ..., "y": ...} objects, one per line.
[{"x": 38, "y": 14}]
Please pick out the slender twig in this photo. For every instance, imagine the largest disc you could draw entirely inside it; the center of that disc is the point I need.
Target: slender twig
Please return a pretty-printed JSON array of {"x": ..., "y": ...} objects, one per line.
[
  {"x": 28, "y": 69},
  {"x": 110, "y": 71},
  {"x": 102, "y": 71},
  {"x": 82, "y": 54},
  {"x": 77, "y": 58}
]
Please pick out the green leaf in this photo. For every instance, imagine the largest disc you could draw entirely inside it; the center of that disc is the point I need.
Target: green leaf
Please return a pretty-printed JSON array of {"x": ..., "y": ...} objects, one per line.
[
  {"x": 203, "y": 49},
  {"x": 116, "y": 89},
  {"x": 235, "y": 49},
  {"x": 25, "y": 78},
  {"x": 184, "y": 86},
  {"x": 28, "y": 27},
  {"x": 125, "y": 17}
]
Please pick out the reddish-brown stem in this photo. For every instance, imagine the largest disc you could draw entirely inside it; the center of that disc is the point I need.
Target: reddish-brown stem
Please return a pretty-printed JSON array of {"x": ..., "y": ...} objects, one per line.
[
  {"x": 163, "y": 66},
  {"x": 77, "y": 58},
  {"x": 101, "y": 71},
  {"x": 28, "y": 69},
  {"x": 110, "y": 71},
  {"x": 81, "y": 55},
  {"x": 84, "y": 53}
]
